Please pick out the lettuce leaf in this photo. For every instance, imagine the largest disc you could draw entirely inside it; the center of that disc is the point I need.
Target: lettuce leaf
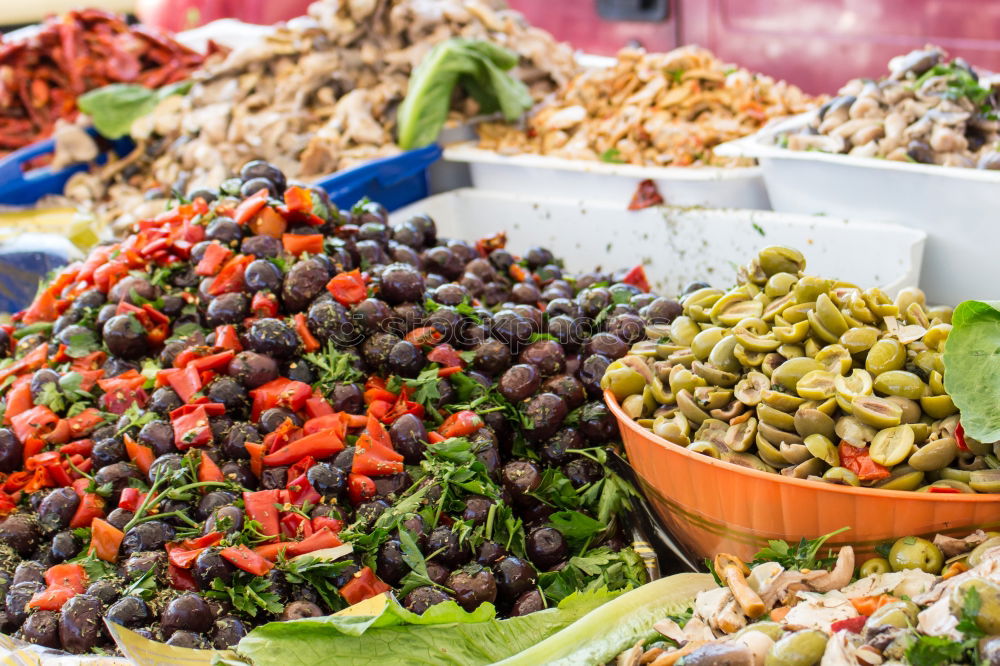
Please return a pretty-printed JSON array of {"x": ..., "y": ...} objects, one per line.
[
  {"x": 445, "y": 634},
  {"x": 479, "y": 67},
  {"x": 972, "y": 367}
]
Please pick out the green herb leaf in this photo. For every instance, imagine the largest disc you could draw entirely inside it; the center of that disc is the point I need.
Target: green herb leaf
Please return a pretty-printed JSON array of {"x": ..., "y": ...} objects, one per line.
[
  {"x": 803, "y": 556},
  {"x": 114, "y": 108},
  {"x": 334, "y": 366},
  {"x": 248, "y": 594},
  {"x": 319, "y": 574},
  {"x": 612, "y": 156},
  {"x": 578, "y": 528},
  {"x": 972, "y": 367}
]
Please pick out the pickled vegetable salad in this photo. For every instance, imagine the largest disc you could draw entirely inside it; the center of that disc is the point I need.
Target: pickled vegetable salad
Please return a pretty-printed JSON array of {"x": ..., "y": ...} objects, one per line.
[
  {"x": 197, "y": 418},
  {"x": 905, "y": 610}
]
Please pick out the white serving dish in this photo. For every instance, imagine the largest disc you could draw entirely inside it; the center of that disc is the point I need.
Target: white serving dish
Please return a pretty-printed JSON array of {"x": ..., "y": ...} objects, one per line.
[
  {"x": 955, "y": 206},
  {"x": 544, "y": 176},
  {"x": 678, "y": 246}
]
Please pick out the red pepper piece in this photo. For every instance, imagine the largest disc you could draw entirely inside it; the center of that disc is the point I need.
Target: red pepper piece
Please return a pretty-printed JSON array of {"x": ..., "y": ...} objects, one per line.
[
  {"x": 646, "y": 195},
  {"x": 227, "y": 338},
  {"x": 186, "y": 383},
  {"x": 637, "y": 278},
  {"x": 18, "y": 401},
  {"x": 322, "y": 444},
  {"x": 280, "y": 392},
  {"x": 215, "y": 256},
  {"x": 360, "y": 488},
  {"x": 105, "y": 540},
  {"x": 247, "y": 560},
  {"x": 181, "y": 579},
  {"x": 68, "y": 575},
  {"x": 298, "y": 199},
  {"x": 320, "y": 539},
  {"x": 216, "y": 361},
  {"x": 230, "y": 278},
  {"x": 460, "y": 424},
  {"x": 423, "y": 336},
  {"x": 378, "y": 433},
  {"x": 191, "y": 429},
  {"x": 445, "y": 355},
  {"x": 326, "y": 422},
  {"x": 208, "y": 470},
  {"x": 332, "y": 524},
  {"x": 852, "y": 625},
  {"x": 260, "y": 506},
  {"x": 34, "y": 422},
  {"x": 296, "y": 244},
  {"x": 250, "y": 206},
  {"x": 51, "y": 598},
  {"x": 256, "y": 452},
  {"x": 364, "y": 585},
  {"x": 264, "y": 304},
  {"x": 301, "y": 491},
  {"x": 317, "y": 406},
  {"x": 131, "y": 498},
  {"x": 83, "y": 447},
  {"x": 85, "y": 422},
  {"x": 141, "y": 455},
  {"x": 91, "y": 506},
  {"x": 348, "y": 288},
  {"x": 373, "y": 459},
  {"x": 295, "y": 526},
  {"x": 960, "y": 438},
  {"x": 859, "y": 461},
  {"x": 309, "y": 341}
]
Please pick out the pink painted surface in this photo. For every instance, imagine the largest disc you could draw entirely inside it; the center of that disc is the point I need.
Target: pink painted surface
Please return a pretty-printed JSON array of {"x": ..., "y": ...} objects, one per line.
[{"x": 817, "y": 44}]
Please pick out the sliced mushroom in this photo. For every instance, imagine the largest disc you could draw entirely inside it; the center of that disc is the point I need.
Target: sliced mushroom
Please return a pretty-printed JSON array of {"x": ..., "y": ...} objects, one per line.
[
  {"x": 733, "y": 572},
  {"x": 839, "y": 576}
]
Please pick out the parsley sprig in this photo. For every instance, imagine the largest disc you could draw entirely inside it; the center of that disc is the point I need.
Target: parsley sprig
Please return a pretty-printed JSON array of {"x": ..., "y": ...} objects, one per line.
[{"x": 802, "y": 556}]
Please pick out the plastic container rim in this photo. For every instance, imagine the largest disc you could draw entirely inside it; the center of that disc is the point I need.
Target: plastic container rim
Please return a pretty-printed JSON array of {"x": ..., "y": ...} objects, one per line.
[
  {"x": 761, "y": 145},
  {"x": 467, "y": 152},
  {"x": 625, "y": 422}
]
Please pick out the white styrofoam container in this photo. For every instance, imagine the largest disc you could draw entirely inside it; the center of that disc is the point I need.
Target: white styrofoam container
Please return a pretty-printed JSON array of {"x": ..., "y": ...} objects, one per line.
[
  {"x": 678, "y": 246},
  {"x": 955, "y": 206},
  {"x": 542, "y": 175}
]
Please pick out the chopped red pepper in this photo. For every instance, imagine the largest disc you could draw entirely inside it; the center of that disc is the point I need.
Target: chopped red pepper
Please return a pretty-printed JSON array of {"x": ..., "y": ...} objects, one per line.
[
  {"x": 318, "y": 406},
  {"x": 348, "y": 288},
  {"x": 208, "y": 470},
  {"x": 301, "y": 491},
  {"x": 321, "y": 444},
  {"x": 646, "y": 195},
  {"x": 243, "y": 558},
  {"x": 105, "y": 540},
  {"x": 852, "y": 625},
  {"x": 445, "y": 355},
  {"x": 190, "y": 423},
  {"x": 364, "y": 585},
  {"x": 91, "y": 506},
  {"x": 227, "y": 338},
  {"x": 326, "y": 422},
  {"x": 859, "y": 461},
  {"x": 215, "y": 256},
  {"x": 423, "y": 336},
  {"x": 960, "y": 438},
  {"x": 637, "y": 278},
  {"x": 373, "y": 459},
  {"x": 264, "y": 304},
  {"x": 320, "y": 539},
  {"x": 250, "y": 206},
  {"x": 186, "y": 383},
  {"x": 296, "y": 244},
  {"x": 309, "y": 341},
  {"x": 280, "y": 392},
  {"x": 360, "y": 488},
  {"x": 131, "y": 498},
  {"x": 34, "y": 422},
  {"x": 142, "y": 456},
  {"x": 260, "y": 506},
  {"x": 298, "y": 199},
  {"x": 181, "y": 579},
  {"x": 18, "y": 400},
  {"x": 230, "y": 278},
  {"x": 461, "y": 424},
  {"x": 85, "y": 422},
  {"x": 68, "y": 575},
  {"x": 216, "y": 361}
]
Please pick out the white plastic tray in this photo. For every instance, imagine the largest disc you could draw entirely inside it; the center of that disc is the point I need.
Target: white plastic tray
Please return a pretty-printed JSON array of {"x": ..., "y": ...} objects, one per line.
[
  {"x": 676, "y": 245},
  {"x": 955, "y": 206},
  {"x": 541, "y": 175}
]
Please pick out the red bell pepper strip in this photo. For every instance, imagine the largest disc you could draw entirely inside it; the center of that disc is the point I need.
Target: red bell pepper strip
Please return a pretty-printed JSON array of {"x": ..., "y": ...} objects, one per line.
[
  {"x": 295, "y": 526},
  {"x": 183, "y": 558},
  {"x": 317, "y": 406},
  {"x": 460, "y": 424},
  {"x": 348, "y": 288},
  {"x": 247, "y": 560},
  {"x": 960, "y": 438},
  {"x": 91, "y": 507},
  {"x": 227, "y": 338},
  {"x": 131, "y": 498},
  {"x": 309, "y": 341},
  {"x": 85, "y": 422},
  {"x": 445, "y": 356},
  {"x": 191, "y": 429},
  {"x": 326, "y": 422},
  {"x": 399, "y": 408},
  {"x": 637, "y": 278},
  {"x": 30, "y": 362},
  {"x": 83, "y": 447},
  {"x": 260, "y": 506},
  {"x": 250, "y": 206},
  {"x": 217, "y": 361},
  {"x": 264, "y": 304},
  {"x": 51, "y": 598},
  {"x": 18, "y": 401},
  {"x": 943, "y": 490},
  {"x": 142, "y": 456},
  {"x": 435, "y": 437},
  {"x": 301, "y": 491},
  {"x": 373, "y": 459},
  {"x": 91, "y": 362},
  {"x": 186, "y": 383},
  {"x": 215, "y": 256},
  {"x": 181, "y": 579},
  {"x": 208, "y": 470},
  {"x": 256, "y": 452},
  {"x": 280, "y": 392},
  {"x": 423, "y": 336},
  {"x": 360, "y": 488},
  {"x": 296, "y": 244},
  {"x": 105, "y": 540},
  {"x": 332, "y": 524},
  {"x": 300, "y": 468},
  {"x": 378, "y": 433},
  {"x": 34, "y": 422},
  {"x": 364, "y": 585},
  {"x": 230, "y": 278},
  {"x": 298, "y": 199},
  {"x": 68, "y": 575},
  {"x": 320, "y": 539},
  {"x": 859, "y": 461},
  {"x": 318, "y": 445},
  {"x": 852, "y": 625}
]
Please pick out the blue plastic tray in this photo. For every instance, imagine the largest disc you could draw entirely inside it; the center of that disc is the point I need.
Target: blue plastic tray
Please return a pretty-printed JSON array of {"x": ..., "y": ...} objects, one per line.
[
  {"x": 393, "y": 181},
  {"x": 23, "y": 188}
]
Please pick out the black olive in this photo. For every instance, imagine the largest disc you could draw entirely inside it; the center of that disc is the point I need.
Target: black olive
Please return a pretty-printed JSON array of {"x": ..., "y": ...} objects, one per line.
[
  {"x": 554, "y": 451},
  {"x": 421, "y": 598},
  {"x": 228, "y": 519},
  {"x": 120, "y": 517},
  {"x": 300, "y": 609},
  {"x": 408, "y": 234},
  {"x": 526, "y": 293},
  {"x": 105, "y": 589},
  {"x": 263, "y": 169},
  {"x": 163, "y": 401},
  {"x": 11, "y": 452},
  {"x": 57, "y": 509},
  {"x": 80, "y": 625},
  {"x": 130, "y": 286},
  {"x": 546, "y": 547},
  {"x": 389, "y": 563},
  {"x": 239, "y": 472},
  {"x": 227, "y": 632},
  {"x": 519, "y": 382},
  {"x": 118, "y": 475},
  {"x": 345, "y": 459},
  {"x": 568, "y": 388},
  {"x": 477, "y": 508},
  {"x": 234, "y": 443},
  {"x": 20, "y": 532},
  {"x": 513, "y": 329},
  {"x": 40, "y": 379},
  {"x": 254, "y": 185},
  {"x": 230, "y": 308},
  {"x": 139, "y": 564},
  {"x": 125, "y": 337},
  {"x": 372, "y": 315},
  {"x": 159, "y": 436},
  {"x": 449, "y": 551},
  {"x": 229, "y": 392},
  {"x": 252, "y": 369},
  {"x": 328, "y": 320},
  {"x": 271, "y": 419},
  {"x": 514, "y": 577},
  {"x": 272, "y": 337},
  {"x": 581, "y": 471},
  {"x": 368, "y": 512},
  {"x": 519, "y": 478},
  {"x": 591, "y": 372},
  {"x": 597, "y": 423},
  {"x": 261, "y": 246},
  {"x": 17, "y": 600},
  {"x": 210, "y": 565},
  {"x": 629, "y": 328},
  {"x": 437, "y": 572},
  {"x": 409, "y": 438},
  {"x": 346, "y": 398},
  {"x": 546, "y": 355},
  {"x": 187, "y": 612},
  {"x": 543, "y": 413},
  {"x": 529, "y": 602},
  {"x": 42, "y": 628},
  {"x": 274, "y": 478},
  {"x": 148, "y": 536},
  {"x": 406, "y": 359},
  {"x": 487, "y": 451},
  {"x": 491, "y": 356},
  {"x": 129, "y": 612},
  {"x": 392, "y": 484},
  {"x": 28, "y": 571},
  {"x": 187, "y": 639},
  {"x": 263, "y": 275},
  {"x": 305, "y": 281},
  {"x": 473, "y": 586},
  {"x": 377, "y": 348},
  {"x": 225, "y": 230},
  {"x": 65, "y": 545},
  {"x": 605, "y": 344},
  {"x": 213, "y": 500},
  {"x": 328, "y": 480},
  {"x": 490, "y": 553}
]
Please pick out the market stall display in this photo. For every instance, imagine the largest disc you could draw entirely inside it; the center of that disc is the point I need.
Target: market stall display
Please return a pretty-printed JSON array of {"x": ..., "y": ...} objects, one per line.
[
  {"x": 42, "y": 76},
  {"x": 193, "y": 408},
  {"x": 798, "y": 606}
]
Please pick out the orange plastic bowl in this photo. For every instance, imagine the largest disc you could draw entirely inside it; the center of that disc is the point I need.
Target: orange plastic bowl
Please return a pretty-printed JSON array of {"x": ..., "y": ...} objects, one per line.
[{"x": 711, "y": 506}]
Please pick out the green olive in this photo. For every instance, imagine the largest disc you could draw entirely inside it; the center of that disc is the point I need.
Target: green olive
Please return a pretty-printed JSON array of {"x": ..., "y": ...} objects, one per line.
[
  {"x": 750, "y": 389},
  {"x": 775, "y": 417},
  {"x": 741, "y": 436},
  {"x": 816, "y": 385},
  {"x": 876, "y": 565},
  {"x": 901, "y": 383},
  {"x": 936, "y": 383},
  {"x": 703, "y": 343},
  {"x": 830, "y": 317},
  {"x": 935, "y": 455},
  {"x": 988, "y": 616},
  {"x": 799, "y": 312},
  {"x": 985, "y": 480},
  {"x": 622, "y": 380},
  {"x": 683, "y": 329},
  {"x": 859, "y": 383},
  {"x": 779, "y": 284},
  {"x": 953, "y": 474},
  {"x": 779, "y": 259},
  {"x": 902, "y": 477},
  {"x": 780, "y": 400},
  {"x": 812, "y": 421},
  {"x": 908, "y": 296},
  {"x": 948, "y": 483},
  {"x": 705, "y": 448},
  {"x": 791, "y": 371},
  {"x": 936, "y": 336},
  {"x": 793, "y": 333},
  {"x": 911, "y": 410},
  {"x": 853, "y": 431},
  {"x": 800, "y": 648},
  {"x": 938, "y": 406},
  {"x": 876, "y": 412},
  {"x": 892, "y": 446},
  {"x": 842, "y": 476},
  {"x": 682, "y": 379},
  {"x": 886, "y": 354},
  {"x": 859, "y": 340},
  {"x": 916, "y": 553},
  {"x": 772, "y": 630},
  {"x": 749, "y": 461},
  {"x": 809, "y": 288},
  {"x": 976, "y": 556},
  {"x": 821, "y": 447},
  {"x": 899, "y": 614}
]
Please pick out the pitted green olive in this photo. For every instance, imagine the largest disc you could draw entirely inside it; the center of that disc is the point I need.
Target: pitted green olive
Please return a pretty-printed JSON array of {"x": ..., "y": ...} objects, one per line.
[
  {"x": 749, "y": 461},
  {"x": 673, "y": 430},
  {"x": 779, "y": 284},
  {"x": 794, "y": 454},
  {"x": 791, "y": 371},
  {"x": 703, "y": 343},
  {"x": 859, "y": 340},
  {"x": 722, "y": 356},
  {"x": 749, "y": 389},
  {"x": 948, "y": 483},
  {"x": 622, "y": 380},
  {"x": 900, "y": 382},
  {"x": 900, "y": 614},
  {"x": 799, "y": 312},
  {"x": 683, "y": 329},
  {"x": 634, "y": 406},
  {"x": 713, "y": 375},
  {"x": 830, "y": 317},
  {"x": 690, "y": 409},
  {"x": 809, "y": 468},
  {"x": 985, "y": 480},
  {"x": 755, "y": 342},
  {"x": 936, "y": 335},
  {"x": 916, "y": 553},
  {"x": 771, "y": 361},
  {"x": 778, "y": 259},
  {"x": 705, "y": 448},
  {"x": 876, "y": 412},
  {"x": 791, "y": 351},
  {"x": 916, "y": 315},
  {"x": 935, "y": 455},
  {"x": 938, "y": 406},
  {"x": 821, "y": 447},
  {"x": 988, "y": 616},
  {"x": 810, "y": 287},
  {"x": 853, "y": 431},
  {"x": 781, "y": 400},
  {"x": 911, "y": 410},
  {"x": 813, "y": 422},
  {"x": 769, "y": 453},
  {"x": 857, "y": 384},
  {"x": 776, "y": 435},
  {"x": 816, "y": 385},
  {"x": 892, "y": 446},
  {"x": 902, "y": 477},
  {"x": 887, "y": 354},
  {"x": 682, "y": 379},
  {"x": 800, "y": 648},
  {"x": 876, "y": 565},
  {"x": 775, "y": 417},
  {"x": 792, "y": 333},
  {"x": 936, "y": 383},
  {"x": 741, "y": 436},
  {"x": 976, "y": 556},
  {"x": 842, "y": 476},
  {"x": 748, "y": 359}
]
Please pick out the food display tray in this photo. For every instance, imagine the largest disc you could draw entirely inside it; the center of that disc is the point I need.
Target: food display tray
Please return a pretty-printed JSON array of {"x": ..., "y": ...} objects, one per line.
[
  {"x": 541, "y": 176},
  {"x": 679, "y": 245},
  {"x": 953, "y": 205}
]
